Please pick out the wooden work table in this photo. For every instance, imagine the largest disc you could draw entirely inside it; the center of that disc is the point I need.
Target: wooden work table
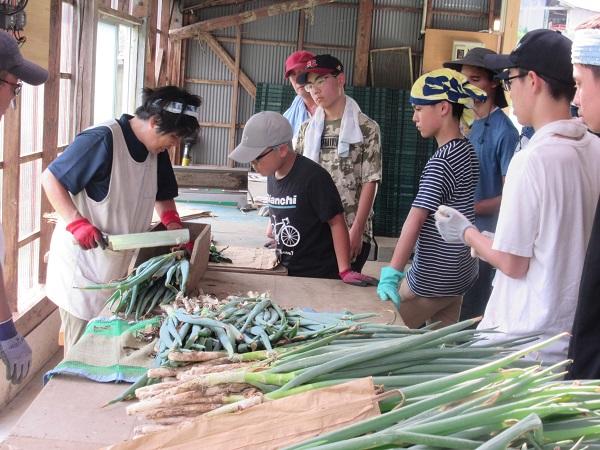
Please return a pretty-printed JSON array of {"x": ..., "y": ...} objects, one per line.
[{"x": 67, "y": 414}]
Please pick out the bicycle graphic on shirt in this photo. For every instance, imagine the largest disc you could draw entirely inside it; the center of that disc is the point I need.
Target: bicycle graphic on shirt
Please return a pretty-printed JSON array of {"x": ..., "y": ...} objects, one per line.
[{"x": 285, "y": 233}]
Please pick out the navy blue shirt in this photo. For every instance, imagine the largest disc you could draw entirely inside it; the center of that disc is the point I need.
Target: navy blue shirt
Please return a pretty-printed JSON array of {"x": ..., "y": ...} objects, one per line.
[
  {"x": 87, "y": 162},
  {"x": 495, "y": 139}
]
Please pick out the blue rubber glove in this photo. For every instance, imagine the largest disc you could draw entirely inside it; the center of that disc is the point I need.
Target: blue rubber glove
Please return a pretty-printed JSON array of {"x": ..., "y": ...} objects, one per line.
[{"x": 389, "y": 282}]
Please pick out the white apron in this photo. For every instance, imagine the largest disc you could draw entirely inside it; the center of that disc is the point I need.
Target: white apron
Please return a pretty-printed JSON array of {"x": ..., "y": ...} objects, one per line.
[{"x": 127, "y": 208}]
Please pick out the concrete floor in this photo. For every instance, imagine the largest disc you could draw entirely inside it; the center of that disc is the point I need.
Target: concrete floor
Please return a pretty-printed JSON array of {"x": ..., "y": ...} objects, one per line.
[{"x": 10, "y": 414}]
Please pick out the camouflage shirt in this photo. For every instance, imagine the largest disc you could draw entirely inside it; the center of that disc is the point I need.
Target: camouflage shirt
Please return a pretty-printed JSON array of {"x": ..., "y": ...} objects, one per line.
[{"x": 349, "y": 174}]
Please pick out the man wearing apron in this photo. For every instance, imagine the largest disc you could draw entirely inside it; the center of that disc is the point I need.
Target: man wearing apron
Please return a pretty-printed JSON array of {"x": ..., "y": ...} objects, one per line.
[
  {"x": 14, "y": 70},
  {"x": 109, "y": 181}
]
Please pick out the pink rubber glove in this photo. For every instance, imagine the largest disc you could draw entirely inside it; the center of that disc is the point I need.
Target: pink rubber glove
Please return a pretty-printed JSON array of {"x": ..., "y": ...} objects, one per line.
[
  {"x": 171, "y": 220},
  {"x": 357, "y": 279}
]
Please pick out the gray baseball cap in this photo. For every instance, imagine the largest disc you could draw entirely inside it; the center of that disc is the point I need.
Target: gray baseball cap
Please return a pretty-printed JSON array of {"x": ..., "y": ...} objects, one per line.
[
  {"x": 263, "y": 130},
  {"x": 13, "y": 62}
]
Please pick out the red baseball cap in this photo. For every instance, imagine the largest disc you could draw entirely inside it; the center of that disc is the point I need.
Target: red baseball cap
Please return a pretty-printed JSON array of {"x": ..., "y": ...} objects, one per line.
[{"x": 297, "y": 60}]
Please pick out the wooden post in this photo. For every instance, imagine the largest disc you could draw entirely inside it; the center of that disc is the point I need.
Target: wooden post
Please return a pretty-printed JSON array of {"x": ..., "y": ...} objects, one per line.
[
  {"x": 245, "y": 17},
  {"x": 301, "y": 29},
  {"x": 124, "y": 6},
  {"x": 363, "y": 42},
  {"x": 511, "y": 26},
  {"x": 222, "y": 54},
  {"x": 235, "y": 91},
  {"x": 50, "y": 139},
  {"x": 10, "y": 200},
  {"x": 150, "y": 63},
  {"x": 429, "y": 14},
  {"x": 491, "y": 14}
]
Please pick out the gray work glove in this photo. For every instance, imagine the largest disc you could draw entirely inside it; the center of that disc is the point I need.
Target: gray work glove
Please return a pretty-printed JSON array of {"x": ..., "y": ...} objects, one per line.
[
  {"x": 16, "y": 355},
  {"x": 451, "y": 224}
]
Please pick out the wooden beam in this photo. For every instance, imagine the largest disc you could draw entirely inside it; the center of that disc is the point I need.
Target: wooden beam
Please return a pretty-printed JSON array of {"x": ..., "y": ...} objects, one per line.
[
  {"x": 222, "y": 54},
  {"x": 117, "y": 13},
  {"x": 451, "y": 12},
  {"x": 199, "y": 81},
  {"x": 212, "y": 177},
  {"x": 10, "y": 200},
  {"x": 165, "y": 21},
  {"x": 235, "y": 91},
  {"x": 301, "y": 29},
  {"x": 208, "y": 3},
  {"x": 50, "y": 130},
  {"x": 363, "y": 42},
  {"x": 150, "y": 63},
  {"x": 245, "y": 17},
  {"x": 286, "y": 44}
]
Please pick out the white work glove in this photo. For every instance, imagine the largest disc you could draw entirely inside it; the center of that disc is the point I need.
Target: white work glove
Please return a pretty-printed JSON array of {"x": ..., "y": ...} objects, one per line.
[
  {"x": 16, "y": 355},
  {"x": 451, "y": 224}
]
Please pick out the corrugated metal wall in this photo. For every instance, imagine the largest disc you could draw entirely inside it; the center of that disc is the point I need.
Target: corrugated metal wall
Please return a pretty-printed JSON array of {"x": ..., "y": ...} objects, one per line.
[{"x": 396, "y": 23}]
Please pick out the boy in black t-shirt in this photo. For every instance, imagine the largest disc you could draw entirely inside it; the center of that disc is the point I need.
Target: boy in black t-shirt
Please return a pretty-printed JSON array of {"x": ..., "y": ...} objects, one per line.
[{"x": 307, "y": 215}]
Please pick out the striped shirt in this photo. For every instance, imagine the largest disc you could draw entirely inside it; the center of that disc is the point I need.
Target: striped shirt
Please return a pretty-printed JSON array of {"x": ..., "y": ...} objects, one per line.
[{"x": 439, "y": 268}]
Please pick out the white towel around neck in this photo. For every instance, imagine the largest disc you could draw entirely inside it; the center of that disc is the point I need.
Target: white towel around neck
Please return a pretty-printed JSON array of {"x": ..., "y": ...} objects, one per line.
[{"x": 349, "y": 131}]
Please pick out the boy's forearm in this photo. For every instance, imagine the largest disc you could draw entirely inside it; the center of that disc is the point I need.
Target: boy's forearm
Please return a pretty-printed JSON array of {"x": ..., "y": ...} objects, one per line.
[
  {"x": 365, "y": 206},
  {"x": 408, "y": 237},
  {"x": 341, "y": 241},
  {"x": 489, "y": 206}
]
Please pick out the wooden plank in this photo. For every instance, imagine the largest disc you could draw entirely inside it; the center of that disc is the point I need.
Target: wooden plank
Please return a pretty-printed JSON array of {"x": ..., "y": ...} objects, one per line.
[
  {"x": 140, "y": 8},
  {"x": 50, "y": 132},
  {"x": 117, "y": 13},
  {"x": 165, "y": 21},
  {"x": 209, "y": 3},
  {"x": 10, "y": 200},
  {"x": 511, "y": 26},
  {"x": 84, "y": 88},
  {"x": 438, "y": 44},
  {"x": 428, "y": 11},
  {"x": 245, "y": 17},
  {"x": 123, "y": 6},
  {"x": 491, "y": 14},
  {"x": 235, "y": 179},
  {"x": 228, "y": 268},
  {"x": 198, "y": 81},
  {"x": 150, "y": 62},
  {"x": 218, "y": 124},
  {"x": 35, "y": 315},
  {"x": 235, "y": 92},
  {"x": 286, "y": 43},
  {"x": 222, "y": 54},
  {"x": 301, "y": 29},
  {"x": 363, "y": 42}
]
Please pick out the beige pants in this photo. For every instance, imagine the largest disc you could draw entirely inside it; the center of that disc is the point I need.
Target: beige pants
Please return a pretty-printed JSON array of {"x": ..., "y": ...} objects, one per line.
[
  {"x": 73, "y": 329},
  {"x": 416, "y": 310}
]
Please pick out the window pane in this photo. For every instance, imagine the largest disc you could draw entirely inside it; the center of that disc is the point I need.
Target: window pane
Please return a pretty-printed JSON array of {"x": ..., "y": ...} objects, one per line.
[
  {"x": 29, "y": 198},
  {"x": 106, "y": 73},
  {"x": 64, "y": 113},
  {"x": 66, "y": 39},
  {"x": 32, "y": 118},
  {"x": 28, "y": 274}
]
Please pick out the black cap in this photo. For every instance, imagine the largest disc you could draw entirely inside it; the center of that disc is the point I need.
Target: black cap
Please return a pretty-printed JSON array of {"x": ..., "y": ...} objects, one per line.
[
  {"x": 321, "y": 64},
  {"x": 545, "y": 52},
  {"x": 476, "y": 58}
]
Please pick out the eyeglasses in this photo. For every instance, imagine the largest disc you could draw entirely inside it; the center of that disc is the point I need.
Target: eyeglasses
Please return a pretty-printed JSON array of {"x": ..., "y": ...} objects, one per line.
[
  {"x": 262, "y": 155},
  {"x": 17, "y": 86},
  {"x": 318, "y": 83},
  {"x": 506, "y": 83}
]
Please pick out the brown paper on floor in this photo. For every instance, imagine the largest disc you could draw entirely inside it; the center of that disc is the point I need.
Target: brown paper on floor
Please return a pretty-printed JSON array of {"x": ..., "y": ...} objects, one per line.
[
  {"x": 249, "y": 258},
  {"x": 270, "y": 425}
]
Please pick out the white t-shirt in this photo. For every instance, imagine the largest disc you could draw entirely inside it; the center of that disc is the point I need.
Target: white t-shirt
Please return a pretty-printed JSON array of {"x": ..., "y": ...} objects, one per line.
[{"x": 547, "y": 211}]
